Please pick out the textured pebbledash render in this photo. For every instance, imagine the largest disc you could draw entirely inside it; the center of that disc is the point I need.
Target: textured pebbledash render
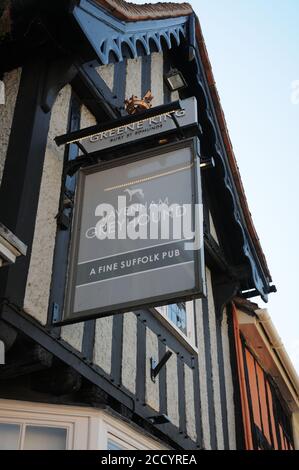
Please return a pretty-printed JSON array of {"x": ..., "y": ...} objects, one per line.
[
  {"x": 215, "y": 366},
  {"x": 172, "y": 389},
  {"x": 129, "y": 357},
  {"x": 40, "y": 271},
  {"x": 228, "y": 383},
  {"x": 133, "y": 77},
  {"x": 73, "y": 335},
  {"x": 190, "y": 405},
  {"x": 87, "y": 119},
  {"x": 157, "y": 78},
  {"x": 103, "y": 343},
  {"x": 203, "y": 391},
  {"x": 106, "y": 72},
  {"x": 11, "y": 85}
]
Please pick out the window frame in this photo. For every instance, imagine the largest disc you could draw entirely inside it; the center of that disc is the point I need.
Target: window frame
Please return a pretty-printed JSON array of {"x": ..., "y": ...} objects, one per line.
[
  {"x": 23, "y": 423},
  {"x": 87, "y": 428},
  {"x": 189, "y": 340}
]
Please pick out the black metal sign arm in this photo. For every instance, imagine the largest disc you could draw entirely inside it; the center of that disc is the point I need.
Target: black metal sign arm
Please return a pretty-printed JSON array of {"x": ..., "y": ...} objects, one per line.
[
  {"x": 156, "y": 368},
  {"x": 73, "y": 137}
]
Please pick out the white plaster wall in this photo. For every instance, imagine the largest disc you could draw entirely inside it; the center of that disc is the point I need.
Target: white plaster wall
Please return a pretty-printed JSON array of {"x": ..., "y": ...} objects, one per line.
[
  {"x": 172, "y": 389},
  {"x": 73, "y": 335},
  {"x": 87, "y": 119},
  {"x": 215, "y": 367},
  {"x": 129, "y": 356},
  {"x": 106, "y": 72},
  {"x": 203, "y": 391},
  {"x": 157, "y": 78},
  {"x": 11, "y": 82},
  {"x": 133, "y": 77},
  {"x": 103, "y": 343},
  {"x": 151, "y": 389},
  {"x": 190, "y": 405},
  {"x": 228, "y": 383},
  {"x": 40, "y": 270}
]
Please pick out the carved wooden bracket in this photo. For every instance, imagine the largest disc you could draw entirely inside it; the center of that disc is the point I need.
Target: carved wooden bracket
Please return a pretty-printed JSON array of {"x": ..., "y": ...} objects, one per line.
[
  {"x": 225, "y": 290},
  {"x": 58, "y": 74}
]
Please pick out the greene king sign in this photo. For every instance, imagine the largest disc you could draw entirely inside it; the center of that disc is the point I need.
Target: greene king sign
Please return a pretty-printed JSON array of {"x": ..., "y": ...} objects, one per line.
[
  {"x": 137, "y": 237},
  {"x": 143, "y": 128}
]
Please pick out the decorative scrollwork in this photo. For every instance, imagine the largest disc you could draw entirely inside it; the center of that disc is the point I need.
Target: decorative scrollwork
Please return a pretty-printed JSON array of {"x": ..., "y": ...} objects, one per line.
[{"x": 115, "y": 40}]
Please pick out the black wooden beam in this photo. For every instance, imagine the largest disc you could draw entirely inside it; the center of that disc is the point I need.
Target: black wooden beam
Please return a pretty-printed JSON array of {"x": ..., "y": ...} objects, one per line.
[
  {"x": 181, "y": 396},
  {"x": 141, "y": 358},
  {"x": 162, "y": 381},
  {"x": 19, "y": 192},
  {"x": 221, "y": 368},
  {"x": 240, "y": 437},
  {"x": 146, "y": 68},
  {"x": 117, "y": 349},
  {"x": 63, "y": 234},
  {"x": 209, "y": 374},
  {"x": 94, "y": 93},
  {"x": 108, "y": 391},
  {"x": 217, "y": 261},
  {"x": 119, "y": 85},
  {"x": 88, "y": 339},
  {"x": 197, "y": 403},
  {"x": 165, "y": 335},
  {"x": 224, "y": 290},
  {"x": 166, "y": 69},
  {"x": 32, "y": 329}
]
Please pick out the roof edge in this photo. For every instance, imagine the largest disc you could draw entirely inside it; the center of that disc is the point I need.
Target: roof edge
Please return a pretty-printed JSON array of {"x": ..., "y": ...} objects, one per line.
[
  {"x": 229, "y": 147},
  {"x": 135, "y": 12}
]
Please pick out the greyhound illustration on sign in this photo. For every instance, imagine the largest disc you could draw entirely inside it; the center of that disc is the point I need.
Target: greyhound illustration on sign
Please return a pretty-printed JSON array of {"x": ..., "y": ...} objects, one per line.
[{"x": 133, "y": 192}]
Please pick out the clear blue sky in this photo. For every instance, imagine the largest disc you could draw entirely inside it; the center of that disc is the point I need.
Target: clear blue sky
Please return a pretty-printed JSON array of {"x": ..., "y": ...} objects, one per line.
[{"x": 254, "y": 50}]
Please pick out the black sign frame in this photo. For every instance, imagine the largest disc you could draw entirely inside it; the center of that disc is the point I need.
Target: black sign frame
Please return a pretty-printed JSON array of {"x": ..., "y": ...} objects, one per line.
[{"x": 199, "y": 290}]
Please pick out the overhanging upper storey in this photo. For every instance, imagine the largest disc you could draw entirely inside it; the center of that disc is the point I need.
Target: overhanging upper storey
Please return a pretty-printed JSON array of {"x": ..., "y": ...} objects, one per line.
[
  {"x": 116, "y": 40},
  {"x": 83, "y": 34},
  {"x": 117, "y": 30}
]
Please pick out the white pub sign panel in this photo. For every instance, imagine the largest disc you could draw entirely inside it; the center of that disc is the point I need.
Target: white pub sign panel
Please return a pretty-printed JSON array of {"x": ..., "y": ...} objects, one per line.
[{"x": 137, "y": 233}]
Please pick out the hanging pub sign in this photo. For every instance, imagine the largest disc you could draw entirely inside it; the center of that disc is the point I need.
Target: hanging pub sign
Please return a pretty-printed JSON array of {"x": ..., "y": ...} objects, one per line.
[{"x": 137, "y": 233}]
